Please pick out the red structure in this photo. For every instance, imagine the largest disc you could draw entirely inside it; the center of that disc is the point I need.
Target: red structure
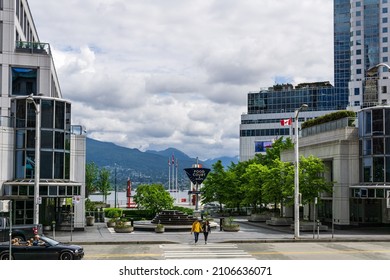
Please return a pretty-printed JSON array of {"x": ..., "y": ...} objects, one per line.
[{"x": 128, "y": 193}]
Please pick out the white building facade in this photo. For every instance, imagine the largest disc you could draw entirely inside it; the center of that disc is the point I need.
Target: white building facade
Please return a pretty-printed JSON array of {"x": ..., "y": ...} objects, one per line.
[{"x": 27, "y": 69}]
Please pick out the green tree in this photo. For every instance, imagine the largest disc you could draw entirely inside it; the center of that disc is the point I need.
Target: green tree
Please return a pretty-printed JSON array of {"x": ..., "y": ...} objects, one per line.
[
  {"x": 104, "y": 183},
  {"x": 214, "y": 187},
  {"x": 278, "y": 178},
  {"x": 311, "y": 178},
  {"x": 153, "y": 197},
  {"x": 251, "y": 183},
  {"x": 91, "y": 178}
]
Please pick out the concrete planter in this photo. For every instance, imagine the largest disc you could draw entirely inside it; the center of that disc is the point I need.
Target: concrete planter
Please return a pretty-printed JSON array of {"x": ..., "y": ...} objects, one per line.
[
  {"x": 90, "y": 220},
  {"x": 124, "y": 229},
  {"x": 231, "y": 227},
  {"x": 111, "y": 224},
  {"x": 159, "y": 229}
]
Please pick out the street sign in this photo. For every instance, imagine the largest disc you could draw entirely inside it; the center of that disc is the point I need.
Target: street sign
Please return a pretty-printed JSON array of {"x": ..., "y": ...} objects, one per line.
[
  {"x": 195, "y": 192},
  {"x": 4, "y": 205},
  {"x": 76, "y": 199},
  {"x": 197, "y": 175}
]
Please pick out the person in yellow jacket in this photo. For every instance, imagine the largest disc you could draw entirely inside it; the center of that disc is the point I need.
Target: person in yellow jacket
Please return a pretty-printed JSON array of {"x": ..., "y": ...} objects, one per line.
[{"x": 196, "y": 229}]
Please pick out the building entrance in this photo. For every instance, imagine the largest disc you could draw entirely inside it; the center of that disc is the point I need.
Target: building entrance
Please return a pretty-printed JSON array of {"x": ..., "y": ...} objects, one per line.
[{"x": 366, "y": 211}]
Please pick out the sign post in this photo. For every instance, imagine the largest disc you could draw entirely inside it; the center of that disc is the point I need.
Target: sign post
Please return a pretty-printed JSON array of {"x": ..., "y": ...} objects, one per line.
[
  {"x": 197, "y": 176},
  {"x": 6, "y": 206}
]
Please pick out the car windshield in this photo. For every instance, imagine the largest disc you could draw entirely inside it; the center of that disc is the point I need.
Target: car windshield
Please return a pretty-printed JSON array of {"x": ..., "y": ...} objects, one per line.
[{"x": 49, "y": 240}]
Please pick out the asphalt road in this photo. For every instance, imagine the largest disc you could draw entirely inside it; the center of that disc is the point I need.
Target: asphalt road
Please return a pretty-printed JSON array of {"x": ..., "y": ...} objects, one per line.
[{"x": 259, "y": 251}]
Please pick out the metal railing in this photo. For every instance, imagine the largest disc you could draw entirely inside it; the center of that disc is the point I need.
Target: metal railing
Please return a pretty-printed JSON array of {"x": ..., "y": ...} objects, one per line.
[{"x": 33, "y": 47}]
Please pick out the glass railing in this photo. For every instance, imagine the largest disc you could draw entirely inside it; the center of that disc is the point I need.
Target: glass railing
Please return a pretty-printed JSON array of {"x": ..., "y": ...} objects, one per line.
[
  {"x": 6, "y": 121},
  {"x": 329, "y": 126},
  {"x": 78, "y": 130},
  {"x": 32, "y": 47}
]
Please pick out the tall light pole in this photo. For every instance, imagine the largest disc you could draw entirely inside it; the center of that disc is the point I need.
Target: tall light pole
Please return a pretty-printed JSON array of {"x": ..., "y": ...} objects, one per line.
[
  {"x": 115, "y": 189},
  {"x": 30, "y": 99},
  {"x": 296, "y": 184}
]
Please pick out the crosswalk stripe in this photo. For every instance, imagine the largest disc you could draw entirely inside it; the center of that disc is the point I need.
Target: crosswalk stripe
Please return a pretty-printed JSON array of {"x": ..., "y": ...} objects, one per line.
[{"x": 180, "y": 251}]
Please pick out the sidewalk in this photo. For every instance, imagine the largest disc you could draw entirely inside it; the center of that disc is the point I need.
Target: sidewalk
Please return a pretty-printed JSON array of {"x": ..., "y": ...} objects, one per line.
[{"x": 251, "y": 232}]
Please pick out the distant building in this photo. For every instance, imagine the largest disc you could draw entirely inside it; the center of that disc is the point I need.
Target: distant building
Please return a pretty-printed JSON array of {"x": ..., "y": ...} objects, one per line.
[
  {"x": 27, "y": 69},
  {"x": 266, "y": 108}
]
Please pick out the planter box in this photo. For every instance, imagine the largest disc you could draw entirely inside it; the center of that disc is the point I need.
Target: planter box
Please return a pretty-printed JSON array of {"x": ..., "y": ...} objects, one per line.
[
  {"x": 126, "y": 229},
  {"x": 90, "y": 220},
  {"x": 111, "y": 224},
  {"x": 159, "y": 230},
  {"x": 231, "y": 227}
]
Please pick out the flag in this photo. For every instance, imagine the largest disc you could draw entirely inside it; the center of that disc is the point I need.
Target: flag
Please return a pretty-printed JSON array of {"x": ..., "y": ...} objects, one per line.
[
  {"x": 173, "y": 159},
  {"x": 169, "y": 162},
  {"x": 286, "y": 122}
]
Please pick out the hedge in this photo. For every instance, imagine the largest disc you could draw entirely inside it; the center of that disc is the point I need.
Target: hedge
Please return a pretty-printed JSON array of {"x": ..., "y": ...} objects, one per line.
[{"x": 328, "y": 118}]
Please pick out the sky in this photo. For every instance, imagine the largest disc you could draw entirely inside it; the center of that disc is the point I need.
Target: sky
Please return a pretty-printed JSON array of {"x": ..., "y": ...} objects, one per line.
[{"x": 154, "y": 74}]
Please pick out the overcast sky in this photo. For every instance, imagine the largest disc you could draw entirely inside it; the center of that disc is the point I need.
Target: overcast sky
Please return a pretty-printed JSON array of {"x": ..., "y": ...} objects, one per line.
[{"x": 153, "y": 74}]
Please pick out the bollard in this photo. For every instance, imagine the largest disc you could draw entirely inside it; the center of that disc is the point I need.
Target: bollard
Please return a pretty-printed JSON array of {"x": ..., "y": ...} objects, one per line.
[{"x": 220, "y": 224}]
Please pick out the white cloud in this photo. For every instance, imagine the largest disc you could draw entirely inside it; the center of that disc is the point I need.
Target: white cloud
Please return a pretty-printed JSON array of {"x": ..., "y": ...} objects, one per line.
[{"x": 156, "y": 74}]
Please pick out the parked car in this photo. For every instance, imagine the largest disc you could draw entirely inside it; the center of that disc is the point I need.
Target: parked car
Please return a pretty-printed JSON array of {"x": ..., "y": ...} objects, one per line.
[
  {"x": 22, "y": 232},
  {"x": 48, "y": 249}
]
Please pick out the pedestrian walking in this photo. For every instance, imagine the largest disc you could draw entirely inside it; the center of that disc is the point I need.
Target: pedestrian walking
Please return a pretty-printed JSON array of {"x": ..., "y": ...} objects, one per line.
[
  {"x": 206, "y": 230},
  {"x": 196, "y": 229}
]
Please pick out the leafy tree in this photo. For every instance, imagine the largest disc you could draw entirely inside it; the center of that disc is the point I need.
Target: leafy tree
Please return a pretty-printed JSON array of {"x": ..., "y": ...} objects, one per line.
[
  {"x": 311, "y": 179},
  {"x": 91, "y": 178},
  {"x": 252, "y": 181},
  {"x": 214, "y": 186},
  {"x": 104, "y": 183},
  {"x": 278, "y": 178},
  {"x": 153, "y": 197}
]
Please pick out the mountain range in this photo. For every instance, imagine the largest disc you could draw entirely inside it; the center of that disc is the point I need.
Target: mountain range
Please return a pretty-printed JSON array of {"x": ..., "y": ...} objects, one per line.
[{"x": 144, "y": 167}]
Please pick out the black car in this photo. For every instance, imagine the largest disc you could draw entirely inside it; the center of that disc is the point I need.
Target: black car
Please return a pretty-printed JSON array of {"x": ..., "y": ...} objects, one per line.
[{"x": 48, "y": 249}]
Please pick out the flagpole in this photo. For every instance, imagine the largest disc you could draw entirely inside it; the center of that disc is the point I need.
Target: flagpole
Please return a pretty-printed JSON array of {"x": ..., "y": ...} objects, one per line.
[
  {"x": 177, "y": 190},
  {"x": 169, "y": 174},
  {"x": 173, "y": 172}
]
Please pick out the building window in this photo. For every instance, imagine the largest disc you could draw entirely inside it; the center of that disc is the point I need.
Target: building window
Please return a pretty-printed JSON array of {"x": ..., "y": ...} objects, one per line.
[
  {"x": 384, "y": 40},
  {"x": 384, "y": 30},
  {"x": 356, "y": 103},
  {"x": 359, "y": 52},
  {"x": 384, "y": 89},
  {"x": 358, "y": 61},
  {"x": 358, "y": 32},
  {"x": 24, "y": 81},
  {"x": 358, "y": 71},
  {"x": 385, "y": 59},
  {"x": 384, "y": 20},
  {"x": 384, "y": 10},
  {"x": 357, "y": 91},
  {"x": 358, "y": 23},
  {"x": 358, "y": 13},
  {"x": 385, "y": 49}
]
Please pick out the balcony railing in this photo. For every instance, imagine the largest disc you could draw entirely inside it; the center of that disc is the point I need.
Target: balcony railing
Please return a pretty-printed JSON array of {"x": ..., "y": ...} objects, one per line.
[
  {"x": 32, "y": 47},
  {"x": 329, "y": 126}
]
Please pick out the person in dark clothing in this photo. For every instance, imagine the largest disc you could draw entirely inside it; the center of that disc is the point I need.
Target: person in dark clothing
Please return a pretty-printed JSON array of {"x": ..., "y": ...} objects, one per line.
[{"x": 206, "y": 229}]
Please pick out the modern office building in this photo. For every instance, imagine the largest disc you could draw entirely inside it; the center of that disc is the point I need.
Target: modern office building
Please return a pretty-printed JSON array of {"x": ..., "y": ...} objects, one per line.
[
  {"x": 42, "y": 173},
  {"x": 369, "y": 47},
  {"x": 266, "y": 108}
]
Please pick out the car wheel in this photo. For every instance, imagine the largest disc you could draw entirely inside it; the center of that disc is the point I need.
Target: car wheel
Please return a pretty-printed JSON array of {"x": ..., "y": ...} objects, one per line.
[
  {"x": 5, "y": 256},
  {"x": 66, "y": 256}
]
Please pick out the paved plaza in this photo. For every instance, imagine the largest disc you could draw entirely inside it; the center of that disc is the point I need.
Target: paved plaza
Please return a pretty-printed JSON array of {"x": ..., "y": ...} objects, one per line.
[{"x": 249, "y": 232}]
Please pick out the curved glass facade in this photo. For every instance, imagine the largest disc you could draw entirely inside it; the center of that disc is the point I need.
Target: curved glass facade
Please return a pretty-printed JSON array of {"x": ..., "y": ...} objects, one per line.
[
  {"x": 55, "y": 138},
  {"x": 374, "y": 145}
]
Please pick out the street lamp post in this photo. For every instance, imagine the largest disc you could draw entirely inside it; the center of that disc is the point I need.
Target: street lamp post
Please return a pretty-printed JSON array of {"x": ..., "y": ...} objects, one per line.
[
  {"x": 296, "y": 184},
  {"x": 115, "y": 188},
  {"x": 30, "y": 99}
]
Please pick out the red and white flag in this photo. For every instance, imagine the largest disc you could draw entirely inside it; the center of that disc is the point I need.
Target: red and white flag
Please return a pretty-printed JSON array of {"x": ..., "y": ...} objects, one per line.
[{"x": 286, "y": 122}]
